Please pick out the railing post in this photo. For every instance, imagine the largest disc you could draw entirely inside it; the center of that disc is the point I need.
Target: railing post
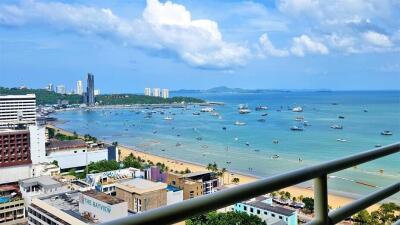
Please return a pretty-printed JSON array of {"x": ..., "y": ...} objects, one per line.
[{"x": 321, "y": 200}]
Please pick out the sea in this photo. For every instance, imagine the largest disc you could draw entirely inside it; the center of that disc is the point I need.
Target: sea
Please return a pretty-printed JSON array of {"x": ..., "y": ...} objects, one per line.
[{"x": 263, "y": 147}]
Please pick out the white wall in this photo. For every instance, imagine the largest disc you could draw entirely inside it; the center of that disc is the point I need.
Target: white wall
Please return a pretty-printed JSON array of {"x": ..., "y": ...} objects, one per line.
[
  {"x": 69, "y": 159},
  {"x": 174, "y": 197},
  {"x": 37, "y": 142},
  {"x": 101, "y": 210},
  {"x": 14, "y": 173}
]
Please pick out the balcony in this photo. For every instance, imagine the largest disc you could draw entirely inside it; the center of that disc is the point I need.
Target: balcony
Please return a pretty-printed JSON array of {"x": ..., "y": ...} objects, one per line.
[{"x": 318, "y": 173}]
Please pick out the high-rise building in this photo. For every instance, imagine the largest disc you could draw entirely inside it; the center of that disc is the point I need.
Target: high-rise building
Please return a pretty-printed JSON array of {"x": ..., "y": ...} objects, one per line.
[
  {"x": 156, "y": 92},
  {"x": 147, "y": 91},
  {"x": 96, "y": 92},
  {"x": 79, "y": 87},
  {"x": 50, "y": 87},
  {"x": 17, "y": 109},
  {"x": 60, "y": 89},
  {"x": 15, "y": 147},
  {"x": 90, "y": 100},
  {"x": 165, "y": 93}
]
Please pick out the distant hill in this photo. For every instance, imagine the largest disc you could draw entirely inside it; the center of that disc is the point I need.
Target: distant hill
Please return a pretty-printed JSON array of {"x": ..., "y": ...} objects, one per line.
[
  {"x": 224, "y": 89},
  {"x": 48, "y": 97}
]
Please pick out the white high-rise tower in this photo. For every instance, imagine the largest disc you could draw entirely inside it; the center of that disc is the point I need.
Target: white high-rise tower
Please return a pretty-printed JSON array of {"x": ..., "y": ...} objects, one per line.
[{"x": 79, "y": 87}]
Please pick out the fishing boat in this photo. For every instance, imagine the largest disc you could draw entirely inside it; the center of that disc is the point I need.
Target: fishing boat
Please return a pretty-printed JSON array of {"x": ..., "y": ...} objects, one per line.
[
  {"x": 238, "y": 123},
  {"x": 244, "y": 111},
  {"x": 337, "y": 126},
  {"x": 275, "y": 141},
  {"x": 275, "y": 156},
  {"x": 261, "y": 108},
  {"x": 386, "y": 132},
  {"x": 297, "y": 109},
  {"x": 296, "y": 128},
  {"x": 168, "y": 118},
  {"x": 196, "y": 113},
  {"x": 341, "y": 140},
  {"x": 243, "y": 106}
]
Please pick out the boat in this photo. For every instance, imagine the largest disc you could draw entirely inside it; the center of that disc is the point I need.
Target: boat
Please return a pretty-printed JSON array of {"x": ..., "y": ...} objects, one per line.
[
  {"x": 297, "y": 109},
  {"x": 296, "y": 128},
  {"x": 305, "y": 123},
  {"x": 244, "y": 111},
  {"x": 199, "y": 138},
  {"x": 238, "y": 123},
  {"x": 341, "y": 117},
  {"x": 299, "y": 118},
  {"x": 275, "y": 156},
  {"x": 378, "y": 145},
  {"x": 242, "y": 106},
  {"x": 275, "y": 141},
  {"x": 337, "y": 126},
  {"x": 168, "y": 118},
  {"x": 261, "y": 108},
  {"x": 264, "y": 114},
  {"x": 365, "y": 110},
  {"x": 247, "y": 144},
  {"x": 261, "y": 120},
  {"x": 196, "y": 113},
  {"x": 341, "y": 140},
  {"x": 223, "y": 128},
  {"x": 386, "y": 132},
  {"x": 236, "y": 138},
  {"x": 206, "y": 109},
  {"x": 214, "y": 114}
]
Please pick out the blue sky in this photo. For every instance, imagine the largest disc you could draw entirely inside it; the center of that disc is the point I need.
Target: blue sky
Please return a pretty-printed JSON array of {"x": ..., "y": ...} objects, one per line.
[{"x": 185, "y": 44}]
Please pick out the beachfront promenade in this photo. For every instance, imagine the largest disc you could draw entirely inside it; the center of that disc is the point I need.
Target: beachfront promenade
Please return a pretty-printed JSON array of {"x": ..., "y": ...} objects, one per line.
[{"x": 181, "y": 211}]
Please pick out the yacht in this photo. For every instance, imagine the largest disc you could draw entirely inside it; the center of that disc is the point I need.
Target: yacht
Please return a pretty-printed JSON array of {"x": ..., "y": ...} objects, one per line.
[
  {"x": 341, "y": 140},
  {"x": 244, "y": 111},
  {"x": 242, "y": 106},
  {"x": 238, "y": 123},
  {"x": 341, "y": 117},
  {"x": 386, "y": 132},
  {"x": 207, "y": 109},
  {"x": 296, "y": 128},
  {"x": 214, "y": 114},
  {"x": 297, "y": 109},
  {"x": 299, "y": 118},
  {"x": 337, "y": 126},
  {"x": 168, "y": 118},
  {"x": 264, "y": 114},
  {"x": 196, "y": 113},
  {"x": 261, "y": 108}
]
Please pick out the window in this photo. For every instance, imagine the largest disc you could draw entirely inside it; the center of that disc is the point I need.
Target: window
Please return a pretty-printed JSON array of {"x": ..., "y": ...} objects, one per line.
[
  {"x": 251, "y": 209},
  {"x": 258, "y": 211},
  {"x": 265, "y": 213},
  {"x": 245, "y": 208},
  {"x": 280, "y": 217},
  {"x": 273, "y": 215}
]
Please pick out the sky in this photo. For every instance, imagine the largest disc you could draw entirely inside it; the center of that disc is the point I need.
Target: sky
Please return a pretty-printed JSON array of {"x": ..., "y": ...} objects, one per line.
[{"x": 184, "y": 44}]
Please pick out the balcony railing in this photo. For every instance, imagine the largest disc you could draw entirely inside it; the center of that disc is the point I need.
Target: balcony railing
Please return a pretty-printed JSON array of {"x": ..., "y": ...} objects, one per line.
[{"x": 186, "y": 209}]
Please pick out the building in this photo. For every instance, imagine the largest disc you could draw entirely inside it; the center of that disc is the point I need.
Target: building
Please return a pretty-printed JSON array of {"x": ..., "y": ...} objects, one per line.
[
  {"x": 165, "y": 93},
  {"x": 191, "y": 189},
  {"x": 147, "y": 91},
  {"x": 142, "y": 194},
  {"x": 105, "y": 181},
  {"x": 12, "y": 206},
  {"x": 264, "y": 208},
  {"x": 174, "y": 195},
  {"x": 90, "y": 99},
  {"x": 96, "y": 92},
  {"x": 60, "y": 89},
  {"x": 14, "y": 148},
  {"x": 156, "y": 92},
  {"x": 79, "y": 87},
  {"x": 37, "y": 186},
  {"x": 74, "y": 153},
  {"x": 50, "y": 87},
  {"x": 17, "y": 109},
  {"x": 77, "y": 208}
]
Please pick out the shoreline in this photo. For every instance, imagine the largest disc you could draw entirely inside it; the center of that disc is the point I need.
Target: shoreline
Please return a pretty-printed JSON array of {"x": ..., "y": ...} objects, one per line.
[{"x": 335, "y": 200}]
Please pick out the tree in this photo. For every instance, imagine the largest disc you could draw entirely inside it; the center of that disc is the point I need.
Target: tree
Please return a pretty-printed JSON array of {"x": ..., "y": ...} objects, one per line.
[
  {"x": 235, "y": 180},
  {"x": 115, "y": 143},
  {"x": 387, "y": 213},
  {"x": 222, "y": 173},
  {"x": 308, "y": 204},
  {"x": 51, "y": 132},
  {"x": 187, "y": 170},
  {"x": 229, "y": 218},
  {"x": 274, "y": 194},
  {"x": 363, "y": 217},
  {"x": 54, "y": 162}
]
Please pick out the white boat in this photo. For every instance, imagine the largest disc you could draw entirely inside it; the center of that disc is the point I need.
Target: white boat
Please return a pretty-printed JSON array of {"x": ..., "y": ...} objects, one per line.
[
  {"x": 260, "y": 108},
  {"x": 386, "y": 132},
  {"x": 337, "y": 126},
  {"x": 238, "y": 123},
  {"x": 297, "y": 109},
  {"x": 214, "y": 114},
  {"x": 299, "y": 118},
  {"x": 296, "y": 128},
  {"x": 242, "y": 106},
  {"x": 168, "y": 118},
  {"x": 244, "y": 111},
  {"x": 341, "y": 140},
  {"x": 206, "y": 109}
]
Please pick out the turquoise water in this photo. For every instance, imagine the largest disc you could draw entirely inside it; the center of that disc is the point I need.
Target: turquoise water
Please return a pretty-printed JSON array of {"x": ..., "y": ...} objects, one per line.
[{"x": 317, "y": 143}]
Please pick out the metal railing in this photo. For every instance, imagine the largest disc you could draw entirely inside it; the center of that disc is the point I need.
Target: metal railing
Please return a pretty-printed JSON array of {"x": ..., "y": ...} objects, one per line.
[{"x": 196, "y": 206}]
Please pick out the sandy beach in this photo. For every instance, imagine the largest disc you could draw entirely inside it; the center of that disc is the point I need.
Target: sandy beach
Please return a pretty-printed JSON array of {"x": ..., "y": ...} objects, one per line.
[{"x": 335, "y": 201}]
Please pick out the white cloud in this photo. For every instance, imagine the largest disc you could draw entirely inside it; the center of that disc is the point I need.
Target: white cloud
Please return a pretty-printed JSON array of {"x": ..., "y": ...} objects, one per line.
[
  {"x": 304, "y": 44},
  {"x": 164, "y": 26},
  {"x": 377, "y": 39},
  {"x": 269, "y": 49}
]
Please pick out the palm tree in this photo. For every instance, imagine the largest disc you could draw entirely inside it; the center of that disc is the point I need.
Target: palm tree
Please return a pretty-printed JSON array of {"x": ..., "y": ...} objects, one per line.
[
  {"x": 235, "y": 180},
  {"x": 223, "y": 171},
  {"x": 209, "y": 166}
]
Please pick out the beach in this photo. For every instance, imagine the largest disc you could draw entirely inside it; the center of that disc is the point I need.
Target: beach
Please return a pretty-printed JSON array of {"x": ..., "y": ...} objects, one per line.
[{"x": 335, "y": 201}]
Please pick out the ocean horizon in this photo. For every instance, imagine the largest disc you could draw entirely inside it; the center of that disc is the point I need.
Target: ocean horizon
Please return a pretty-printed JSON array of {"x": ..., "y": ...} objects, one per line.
[{"x": 265, "y": 145}]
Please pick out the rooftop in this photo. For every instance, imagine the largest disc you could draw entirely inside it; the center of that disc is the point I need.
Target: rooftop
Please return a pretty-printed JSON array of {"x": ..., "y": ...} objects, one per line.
[
  {"x": 44, "y": 181},
  {"x": 17, "y": 96},
  {"x": 139, "y": 185},
  {"x": 271, "y": 208},
  {"x": 57, "y": 145},
  {"x": 195, "y": 174},
  {"x": 111, "y": 200}
]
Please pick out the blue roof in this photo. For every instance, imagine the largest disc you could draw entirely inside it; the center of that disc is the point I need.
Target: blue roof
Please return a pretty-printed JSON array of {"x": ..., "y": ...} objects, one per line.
[{"x": 172, "y": 188}]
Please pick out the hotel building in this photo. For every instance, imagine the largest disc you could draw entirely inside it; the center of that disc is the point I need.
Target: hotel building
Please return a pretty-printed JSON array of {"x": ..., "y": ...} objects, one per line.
[
  {"x": 147, "y": 91},
  {"x": 79, "y": 87},
  {"x": 60, "y": 89},
  {"x": 15, "y": 109},
  {"x": 156, "y": 92},
  {"x": 165, "y": 93}
]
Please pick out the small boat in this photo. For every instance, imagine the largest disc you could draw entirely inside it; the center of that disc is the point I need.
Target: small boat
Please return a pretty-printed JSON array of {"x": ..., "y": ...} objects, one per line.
[
  {"x": 386, "y": 132},
  {"x": 261, "y": 120},
  {"x": 236, "y": 138},
  {"x": 296, "y": 128},
  {"x": 261, "y": 108},
  {"x": 341, "y": 117},
  {"x": 247, "y": 143},
  {"x": 238, "y": 123},
  {"x": 275, "y": 156},
  {"x": 154, "y": 132},
  {"x": 168, "y": 118},
  {"x": 223, "y": 128},
  {"x": 297, "y": 109},
  {"x": 337, "y": 126},
  {"x": 163, "y": 150},
  {"x": 242, "y": 106},
  {"x": 334, "y": 103},
  {"x": 275, "y": 141},
  {"x": 341, "y": 140},
  {"x": 244, "y": 111},
  {"x": 305, "y": 123},
  {"x": 378, "y": 145},
  {"x": 206, "y": 109},
  {"x": 256, "y": 150},
  {"x": 365, "y": 110},
  {"x": 214, "y": 114},
  {"x": 264, "y": 114},
  {"x": 178, "y": 144},
  {"x": 196, "y": 113},
  {"x": 199, "y": 138},
  {"x": 299, "y": 118}
]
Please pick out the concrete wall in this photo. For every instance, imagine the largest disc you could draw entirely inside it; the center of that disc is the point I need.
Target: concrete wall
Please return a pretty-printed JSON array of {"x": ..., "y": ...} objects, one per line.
[
  {"x": 14, "y": 173},
  {"x": 174, "y": 197},
  {"x": 100, "y": 210},
  {"x": 37, "y": 143},
  {"x": 69, "y": 159}
]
